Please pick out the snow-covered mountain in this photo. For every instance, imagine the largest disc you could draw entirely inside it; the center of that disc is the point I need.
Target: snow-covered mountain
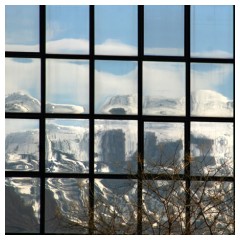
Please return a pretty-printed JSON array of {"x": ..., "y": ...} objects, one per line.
[
  {"x": 203, "y": 103},
  {"x": 67, "y": 150},
  {"x": 210, "y": 103},
  {"x": 120, "y": 104},
  {"x": 23, "y": 102}
]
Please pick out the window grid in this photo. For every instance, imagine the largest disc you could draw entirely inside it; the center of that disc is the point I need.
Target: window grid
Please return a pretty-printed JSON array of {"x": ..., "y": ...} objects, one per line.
[{"x": 141, "y": 119}]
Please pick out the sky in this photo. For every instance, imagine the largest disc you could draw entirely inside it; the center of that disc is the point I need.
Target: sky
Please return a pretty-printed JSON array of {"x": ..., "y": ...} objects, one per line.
[
  {"x": 116, "y": 33},
  {"x": 18, "y": 125}
]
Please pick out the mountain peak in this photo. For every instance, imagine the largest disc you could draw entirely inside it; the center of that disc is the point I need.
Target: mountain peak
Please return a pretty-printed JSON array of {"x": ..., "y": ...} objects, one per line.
[{"x": 21, "y": 102}]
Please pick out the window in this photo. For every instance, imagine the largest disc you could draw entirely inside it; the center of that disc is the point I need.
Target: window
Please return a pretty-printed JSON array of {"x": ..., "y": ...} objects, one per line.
[{"x": 119, "y": 120}]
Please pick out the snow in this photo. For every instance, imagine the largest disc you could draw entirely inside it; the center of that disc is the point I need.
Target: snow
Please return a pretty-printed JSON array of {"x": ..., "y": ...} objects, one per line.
[
  {"x": 23, "y": 102},
  {"x": 67, "y": 147},
  {"x": 210, "y": 103}
]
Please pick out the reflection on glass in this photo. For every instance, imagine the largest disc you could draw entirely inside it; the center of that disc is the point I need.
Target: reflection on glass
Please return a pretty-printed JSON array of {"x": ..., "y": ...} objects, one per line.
[
  {"x": 211, "y": 90},
  {"x": 67, "y": 86},
  {"x": 115, "y": 204},
  {"x": 164, "y": 88},
  {"x": 21, "y": 145},
  {"x": 212, "y": 149},
  {"x": 116, "y": 87},
  {"x": 164, "y": 30},
  {"x": 212, "y": 31},
  {"x": 66, "y": 205},
  {"x": 67, "y": 145},
  {"x": 116, "y": 30},
  {"x": 22, "y": 28},
  {"x": 215, "y": 213},
  {"x": 22, "y": 205},
  {"x": 22, "y": 85},
  {"x": 163, "y": 147},
  {"x": 115, "y": 146},
  {"x": 163, "y": 207},
  {"x": 67, "y": 29}
]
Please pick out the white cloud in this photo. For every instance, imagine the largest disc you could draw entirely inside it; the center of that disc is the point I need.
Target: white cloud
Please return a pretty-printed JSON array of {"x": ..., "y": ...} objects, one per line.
[
  {"x": 22, "y": 76},
  {"x": 115, "y": 47},
  {"x": 164, "y": 51},
  {"x": 215, "y": 76},
  {"x": 22, "y": 48},
  {"x": 72, "y": 80},
  {"x": 212, "y": 54},
  {"x": 67, "y": 79},
  {"x": 109, "y": 84},
  {"x": 164, "y": 79},
  {"x": 68, "y": 45}
]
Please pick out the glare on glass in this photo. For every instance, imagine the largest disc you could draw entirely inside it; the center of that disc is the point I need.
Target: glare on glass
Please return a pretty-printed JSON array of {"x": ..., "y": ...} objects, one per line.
[
  {"x": 115, "y": 204},
  {"x": 22, "y": 85},
  {"x": 212, "y": 149},
  {"x": 115, "y": 146},
  {"x": 116, "y": 30},
  {"x": 163, "y": 207},
  {"x": 67, "y": 145},
  {"x": 22, "y": 28},
  {"x": 22, "y": 205},
  {"x": 66, "y": 206},
  {"x": 163, "y": 147},
  {"x": 21, "y": 145},
  {"x": 67, "y": 86},
  {"x": 164, "y": 30},
  {"x": 116, "y": 86},
  {"x": 212, "y": 31},
  {"x": 164, "y": 88},
  {"x": 212, "y": 90},
  {"x": 67, "y": 29},
  {"x": 216, "y": 208}
]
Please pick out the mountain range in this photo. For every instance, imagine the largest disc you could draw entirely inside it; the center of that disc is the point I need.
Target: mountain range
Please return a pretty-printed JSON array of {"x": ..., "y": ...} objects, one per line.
[{"x": 115, "y": 151}]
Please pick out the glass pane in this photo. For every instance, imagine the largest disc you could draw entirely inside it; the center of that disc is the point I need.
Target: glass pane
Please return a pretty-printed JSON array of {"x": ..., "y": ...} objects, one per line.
[
  {"x": 21, "y": 145},
  {"x": 163, "y": 207},
  {"x": 212, "y": 208},
  {"x": 67, "y": 145},
  {"x": 211, "y": 90},
  {"x": 22, "y": 28},
  {"x": 66, "y": 205},
  {"x": 116, "y": 30},
  {"x": 67, "y": 29},
  {"x": 22, "y": 205},
  {"x": 116, "y": 86},
  {"x": 163, "y": 147},
  {"x": 67, "y": 87},
  {"x": 164, "y": 88},
  {"x": 212, "y": 31},
  {"x": 22, "y": 85},
  {"x": 115, "y": 146},
  {"x": 212, "y": 149},
  {"x": 115, "y": 206},
  {"x": 164, "y": 30}
]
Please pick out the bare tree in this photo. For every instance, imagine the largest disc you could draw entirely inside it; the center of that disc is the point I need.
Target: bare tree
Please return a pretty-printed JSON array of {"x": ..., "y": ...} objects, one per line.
[{"x": 163, "y": 205}]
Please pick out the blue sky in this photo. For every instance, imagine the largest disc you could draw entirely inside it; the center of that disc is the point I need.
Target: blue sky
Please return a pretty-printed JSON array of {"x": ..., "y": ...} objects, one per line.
[
  {"x": 116, "y": 33},
  {"x": 22, "y": 25},
  {"x": 212, "y": 28},
  {"x": 61, "y": 22},
  {"x": 164, "y": 27},
  {"x": 116, "y": 22}
]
